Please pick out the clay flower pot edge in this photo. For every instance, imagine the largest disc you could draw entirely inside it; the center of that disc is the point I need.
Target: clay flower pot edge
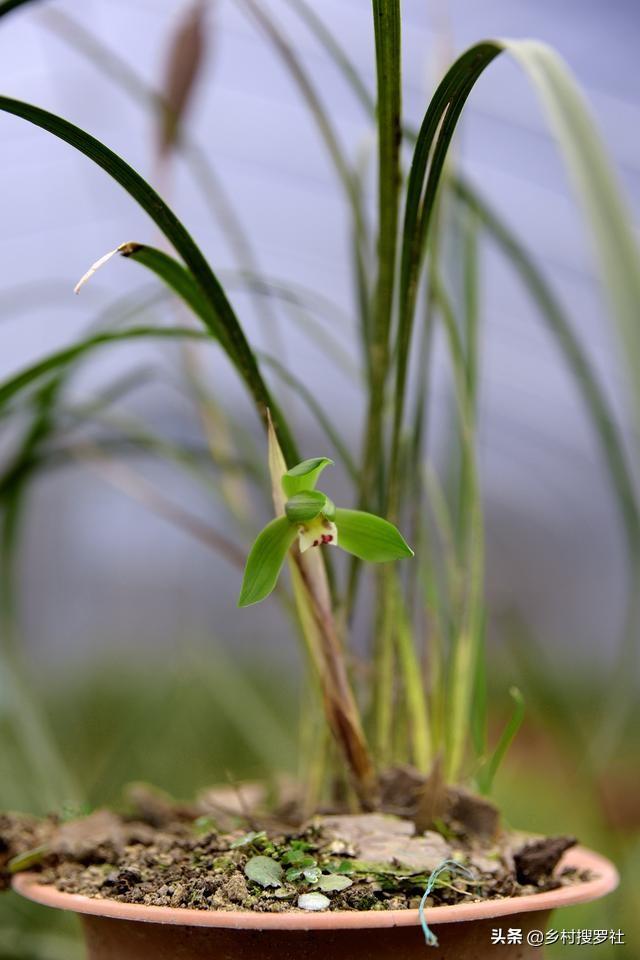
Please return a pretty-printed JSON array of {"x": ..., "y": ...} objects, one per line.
[{"x": 128, "y": 931}]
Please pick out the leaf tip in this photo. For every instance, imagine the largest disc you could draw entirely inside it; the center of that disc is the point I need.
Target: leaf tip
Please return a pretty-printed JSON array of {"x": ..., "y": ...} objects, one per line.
[
  {"x": 126, "y": 249},
  {"x": 246, "y": 599}
]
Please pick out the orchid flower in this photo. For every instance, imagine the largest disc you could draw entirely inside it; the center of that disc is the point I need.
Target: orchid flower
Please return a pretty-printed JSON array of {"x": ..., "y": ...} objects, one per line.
[{"x": 313, "y": 519}]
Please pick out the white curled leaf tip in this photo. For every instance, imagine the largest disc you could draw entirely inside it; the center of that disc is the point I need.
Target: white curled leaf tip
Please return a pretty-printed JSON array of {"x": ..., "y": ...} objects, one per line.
[{"x": 126, "y": 249}]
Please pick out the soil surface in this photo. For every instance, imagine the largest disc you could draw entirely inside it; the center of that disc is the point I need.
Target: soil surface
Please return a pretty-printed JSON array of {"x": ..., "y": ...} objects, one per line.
[{"x": 223, "y": 853}]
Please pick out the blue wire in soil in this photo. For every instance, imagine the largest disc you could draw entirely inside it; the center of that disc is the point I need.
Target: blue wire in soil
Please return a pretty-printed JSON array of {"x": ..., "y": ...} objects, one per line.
[{"x": 430, "y": 938}]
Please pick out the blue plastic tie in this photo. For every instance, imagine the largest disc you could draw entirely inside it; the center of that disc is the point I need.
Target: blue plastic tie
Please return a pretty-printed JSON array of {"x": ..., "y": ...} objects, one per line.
[{"x": 430, "y": 938}]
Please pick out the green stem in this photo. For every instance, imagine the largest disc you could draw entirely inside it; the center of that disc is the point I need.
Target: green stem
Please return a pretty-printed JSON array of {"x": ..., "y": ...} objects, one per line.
[
  {"x": 427, "y": 166},
  {"x": 469, "y": 626},
  {"x": 414, "y": 689},
  {"x": 386, "y": 14},
  {"x": 384, "y": 665}
]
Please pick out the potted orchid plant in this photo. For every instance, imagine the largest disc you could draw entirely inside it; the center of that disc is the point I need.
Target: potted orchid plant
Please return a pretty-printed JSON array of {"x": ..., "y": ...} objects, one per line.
[{"x": 391, "y": 837}]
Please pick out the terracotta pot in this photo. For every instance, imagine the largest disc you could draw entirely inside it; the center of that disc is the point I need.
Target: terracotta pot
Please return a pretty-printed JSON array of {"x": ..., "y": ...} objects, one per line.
[{"x": 125, "y": 931}]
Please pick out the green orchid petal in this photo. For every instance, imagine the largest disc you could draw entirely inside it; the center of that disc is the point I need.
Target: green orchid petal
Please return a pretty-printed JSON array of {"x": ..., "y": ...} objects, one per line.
[
  {"x": 370, "y": 538},
  {"x": 305, "y": 506},
  {"x": 265, "y": 561},
  {"x": 304, "y": 475}
]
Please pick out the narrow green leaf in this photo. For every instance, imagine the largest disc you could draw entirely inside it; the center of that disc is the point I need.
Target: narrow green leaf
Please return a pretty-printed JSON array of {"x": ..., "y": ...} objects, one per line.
[
  {"x": 596, "y": 188},
  {"x": 181, "y": 281},
  {"x": 604, "y": 208},
  {"x": 374, "y": 487},
  {"x": 425, "y": 175},
  {"x": 31, "y": 858},
  {"x": 551, "y": 308},
  {"x": 585, "y": 158},
  {"x": 162, "y": 215},
  {"x": 304, "y": 475},
  {"x": 387, "y": 20},
  {"x": 369, "y": 537},
  {"x": 9, "y": 5},
  {"x": 265, "y": 561},
  {"x": 479, "y": 707},
  {"x": 265, "y": 871},
  {"x": 60, "y": 358},
  {"x": 198, "y": 162},
  {"x": 414, "y": 693},
  {"x": 488, "y": 772},
  {"x": 470, "y": 615},
  {"x": 305, "y": 506}
]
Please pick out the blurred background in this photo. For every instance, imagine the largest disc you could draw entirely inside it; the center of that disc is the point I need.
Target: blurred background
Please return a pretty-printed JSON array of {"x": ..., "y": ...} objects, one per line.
[{"x": 128, "y": 624}]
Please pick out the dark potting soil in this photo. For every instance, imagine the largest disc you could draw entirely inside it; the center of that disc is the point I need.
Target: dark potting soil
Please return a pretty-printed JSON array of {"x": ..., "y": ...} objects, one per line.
[{"x": 223, "y": 854}]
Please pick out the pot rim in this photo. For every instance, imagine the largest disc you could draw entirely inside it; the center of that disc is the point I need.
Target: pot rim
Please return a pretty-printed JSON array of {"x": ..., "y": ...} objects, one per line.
[{"x": 605, "y": 880}]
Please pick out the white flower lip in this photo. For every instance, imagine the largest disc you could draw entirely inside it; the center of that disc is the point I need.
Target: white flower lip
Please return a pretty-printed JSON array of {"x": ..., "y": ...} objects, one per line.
[{"x": 317, "y": 533}]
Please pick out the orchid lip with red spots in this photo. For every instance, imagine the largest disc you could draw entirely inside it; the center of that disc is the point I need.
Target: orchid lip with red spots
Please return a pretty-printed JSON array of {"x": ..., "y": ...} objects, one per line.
[{"x": 318, "y": 532}]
